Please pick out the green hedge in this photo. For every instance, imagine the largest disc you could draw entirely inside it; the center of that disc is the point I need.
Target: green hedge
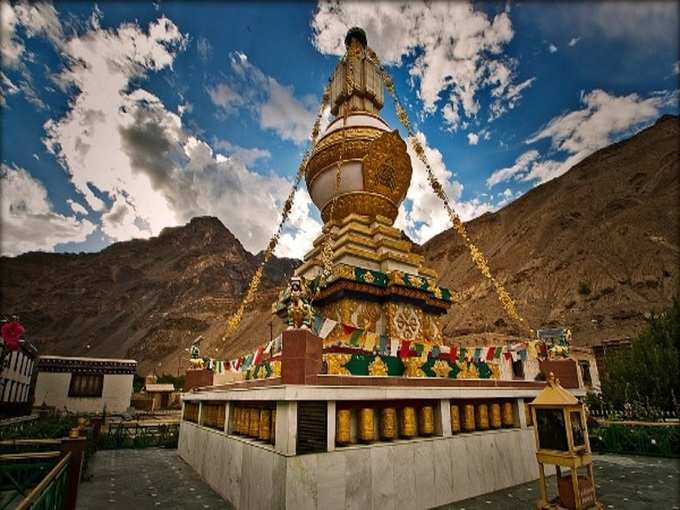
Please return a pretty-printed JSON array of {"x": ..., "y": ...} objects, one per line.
[
  {"x": 659, "y": 441},
  {"x": 53, "y": 427}
]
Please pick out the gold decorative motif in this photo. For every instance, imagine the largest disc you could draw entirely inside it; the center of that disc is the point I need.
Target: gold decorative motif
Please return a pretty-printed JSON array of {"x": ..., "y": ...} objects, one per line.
[
  {"x": 355, "y": 150},
  {"x": 368, "y": 277},
  {"x": 441, "y": 368},
  {"x": 431, "y": 329},
  {"x": 413, "y": 367},
  {"x": 276, "y": 368},
  {"x": 387, "y": 167},
  {"x": 495, "y": 370},
  {"x": 467, "y": 370},
  {"x": 360, "y": 202},
  {"x": 404, "y": 321},
  {"x": 336, "y": 362},
  {"x": 343, "y": 427},
  {"x": 349, "y": 133},
  {"x": 377, "y": 367},
  {"x": 388, "y": 423}
]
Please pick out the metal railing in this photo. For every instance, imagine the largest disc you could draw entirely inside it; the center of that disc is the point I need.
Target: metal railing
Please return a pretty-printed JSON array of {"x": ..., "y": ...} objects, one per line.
[{"x": 50, "y": 493}]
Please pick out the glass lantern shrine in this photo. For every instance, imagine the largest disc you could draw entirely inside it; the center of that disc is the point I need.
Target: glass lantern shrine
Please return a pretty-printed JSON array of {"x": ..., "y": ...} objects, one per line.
[{"x": 562, "y": 440}]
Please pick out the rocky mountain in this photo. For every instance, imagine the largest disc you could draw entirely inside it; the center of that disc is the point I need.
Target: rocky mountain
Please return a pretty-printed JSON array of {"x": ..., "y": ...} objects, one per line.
[
  {"x": 596, "y": 249},
  {"x": 141, "y": 299}
]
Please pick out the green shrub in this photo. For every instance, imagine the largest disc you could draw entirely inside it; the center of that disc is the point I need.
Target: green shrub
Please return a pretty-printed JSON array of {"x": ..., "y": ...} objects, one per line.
[
  {"x": 644, "y": 380},
  {"x": 659, "y": 441}
]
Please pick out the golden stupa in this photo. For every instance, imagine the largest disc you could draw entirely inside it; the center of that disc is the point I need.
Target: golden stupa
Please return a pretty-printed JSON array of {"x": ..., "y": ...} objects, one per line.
[{"x": 378, "y": 283}]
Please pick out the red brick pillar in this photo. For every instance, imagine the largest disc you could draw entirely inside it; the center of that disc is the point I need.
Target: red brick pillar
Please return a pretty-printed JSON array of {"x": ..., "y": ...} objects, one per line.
[
  {"x": 76, "y": 447},
  {"x": 300, "y": 357},
  {"x": 197, "y": 377}
]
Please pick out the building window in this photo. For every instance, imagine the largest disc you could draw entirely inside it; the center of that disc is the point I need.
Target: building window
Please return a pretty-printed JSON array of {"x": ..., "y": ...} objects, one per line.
[
  {"x": 585, "y": 372},
  {"x": 86, "y": 385},
  {"x": 518, "y": 369}
]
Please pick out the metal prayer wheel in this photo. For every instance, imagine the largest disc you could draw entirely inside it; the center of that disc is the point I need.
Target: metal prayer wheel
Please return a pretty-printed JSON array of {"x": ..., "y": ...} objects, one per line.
[
  {"x": 272, "y": 434},
  {"x": 234, "y": 420},
  {"x": 527, "y": 412},
  {"x": 408, "y": 422},
  {"x": 245, "y": 418},
  {"x": 366, "y": 425},
  {"x": 242, "y": 416},
  {"x": 482, "y": 416},
  {"x": 265, "y": 425},
  {"x": 455, "y": 419},
  {"x": 254, "y": 423},
  {"x": 343, "y": 433},
  {"x": 469, "y": 418},
  {"x": 495, "y": 416},
  {"x": 426, "y": 422},
  {"x": 388, "y": 423},
  {"x": 508, "y": 415}
]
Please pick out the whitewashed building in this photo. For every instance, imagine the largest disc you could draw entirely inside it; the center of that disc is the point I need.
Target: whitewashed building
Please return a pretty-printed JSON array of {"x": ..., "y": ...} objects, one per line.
[
  {"x": 17, "y": 381},
  {"x": 85, "y": 385}
]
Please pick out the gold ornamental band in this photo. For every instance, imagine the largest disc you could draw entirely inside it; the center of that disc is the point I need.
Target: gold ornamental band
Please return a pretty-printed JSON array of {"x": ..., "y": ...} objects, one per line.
[
  {"x": 350, "y": 133},
  {"x": 360, "y": 202},
  {"x": 331, "y": 167}
]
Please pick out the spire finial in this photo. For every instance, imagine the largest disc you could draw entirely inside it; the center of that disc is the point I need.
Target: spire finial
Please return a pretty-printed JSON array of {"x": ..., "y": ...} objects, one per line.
[{"x": 358, "y": 34}]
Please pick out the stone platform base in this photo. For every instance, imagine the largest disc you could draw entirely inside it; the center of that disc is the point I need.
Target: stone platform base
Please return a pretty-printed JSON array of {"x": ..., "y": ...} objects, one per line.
[{"x": 422, "y": 473}]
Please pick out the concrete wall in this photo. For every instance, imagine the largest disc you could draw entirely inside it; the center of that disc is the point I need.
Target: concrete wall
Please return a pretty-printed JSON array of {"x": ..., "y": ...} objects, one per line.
[
  {"x": 406, "y": 474},
  {"x": 52, "y": 388},
  {"x": 246, "y": 475}
]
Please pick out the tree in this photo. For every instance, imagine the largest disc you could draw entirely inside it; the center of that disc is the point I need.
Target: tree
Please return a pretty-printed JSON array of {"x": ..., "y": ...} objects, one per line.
[{"x": 647, "y": 374}]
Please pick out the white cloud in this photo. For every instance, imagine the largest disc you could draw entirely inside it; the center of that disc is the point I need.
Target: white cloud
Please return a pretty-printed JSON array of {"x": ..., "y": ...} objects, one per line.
[
  {"x": 28, "y": 220},
  {"x": 246, "y": 156},
  {"x": 520, "y": 166},
  {"x": 225, "y": 97},
  {"x": 122, "y": 144},
  {"x": 552, "y": 48},
  {"x": 457, "y": 50},
  {"x": 473, "y": 138},
  {"x": 7, "y": 88},
  {"x": 36, "y": 19},
  {"x": 274, "y": 104},
  {"x": 639, "y": 22},
  {"x": 423, "y": 215},
  {"x": 676, "y": 68},
  {"x": 574, "y": 41},
  {"x": 603, "y": 120},
  {"x": 303, "y": 228},
  {"x": 76, "y": 207}
]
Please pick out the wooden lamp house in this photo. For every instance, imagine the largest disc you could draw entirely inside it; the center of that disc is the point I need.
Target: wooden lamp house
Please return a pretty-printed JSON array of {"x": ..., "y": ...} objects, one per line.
[{"x": 562, "y": 440}]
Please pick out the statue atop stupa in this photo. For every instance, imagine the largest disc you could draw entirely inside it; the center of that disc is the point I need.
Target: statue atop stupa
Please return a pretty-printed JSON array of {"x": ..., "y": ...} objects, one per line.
[{"x": 358, "y": 175}]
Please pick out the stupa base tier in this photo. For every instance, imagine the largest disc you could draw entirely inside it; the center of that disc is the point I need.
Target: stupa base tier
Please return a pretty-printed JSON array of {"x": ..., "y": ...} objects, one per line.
[{"x": 321, "y": 447}]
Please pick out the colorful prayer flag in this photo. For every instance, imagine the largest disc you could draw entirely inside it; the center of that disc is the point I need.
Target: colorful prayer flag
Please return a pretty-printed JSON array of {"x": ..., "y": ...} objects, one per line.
[{"x": 405, "y": 349}]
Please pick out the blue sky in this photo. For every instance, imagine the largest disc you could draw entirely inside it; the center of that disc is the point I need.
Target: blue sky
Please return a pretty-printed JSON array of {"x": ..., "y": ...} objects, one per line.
[{"x": 119, "y": 119}]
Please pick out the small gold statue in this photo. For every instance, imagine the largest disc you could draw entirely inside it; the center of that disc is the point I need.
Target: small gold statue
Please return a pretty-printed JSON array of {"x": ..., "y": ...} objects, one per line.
[{"x": 300, "y": 310}]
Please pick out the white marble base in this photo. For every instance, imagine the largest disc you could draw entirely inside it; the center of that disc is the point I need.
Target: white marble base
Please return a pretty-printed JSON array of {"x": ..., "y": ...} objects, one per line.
[{"x": 405, "y": 474}]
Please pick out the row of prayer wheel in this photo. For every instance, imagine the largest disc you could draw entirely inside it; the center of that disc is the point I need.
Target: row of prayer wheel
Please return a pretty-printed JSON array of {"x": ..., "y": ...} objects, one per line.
[
  {"x": 481, "y": 417},
  {"x": 407, "y": 425},
  {"x": 254, "y": 422}
]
